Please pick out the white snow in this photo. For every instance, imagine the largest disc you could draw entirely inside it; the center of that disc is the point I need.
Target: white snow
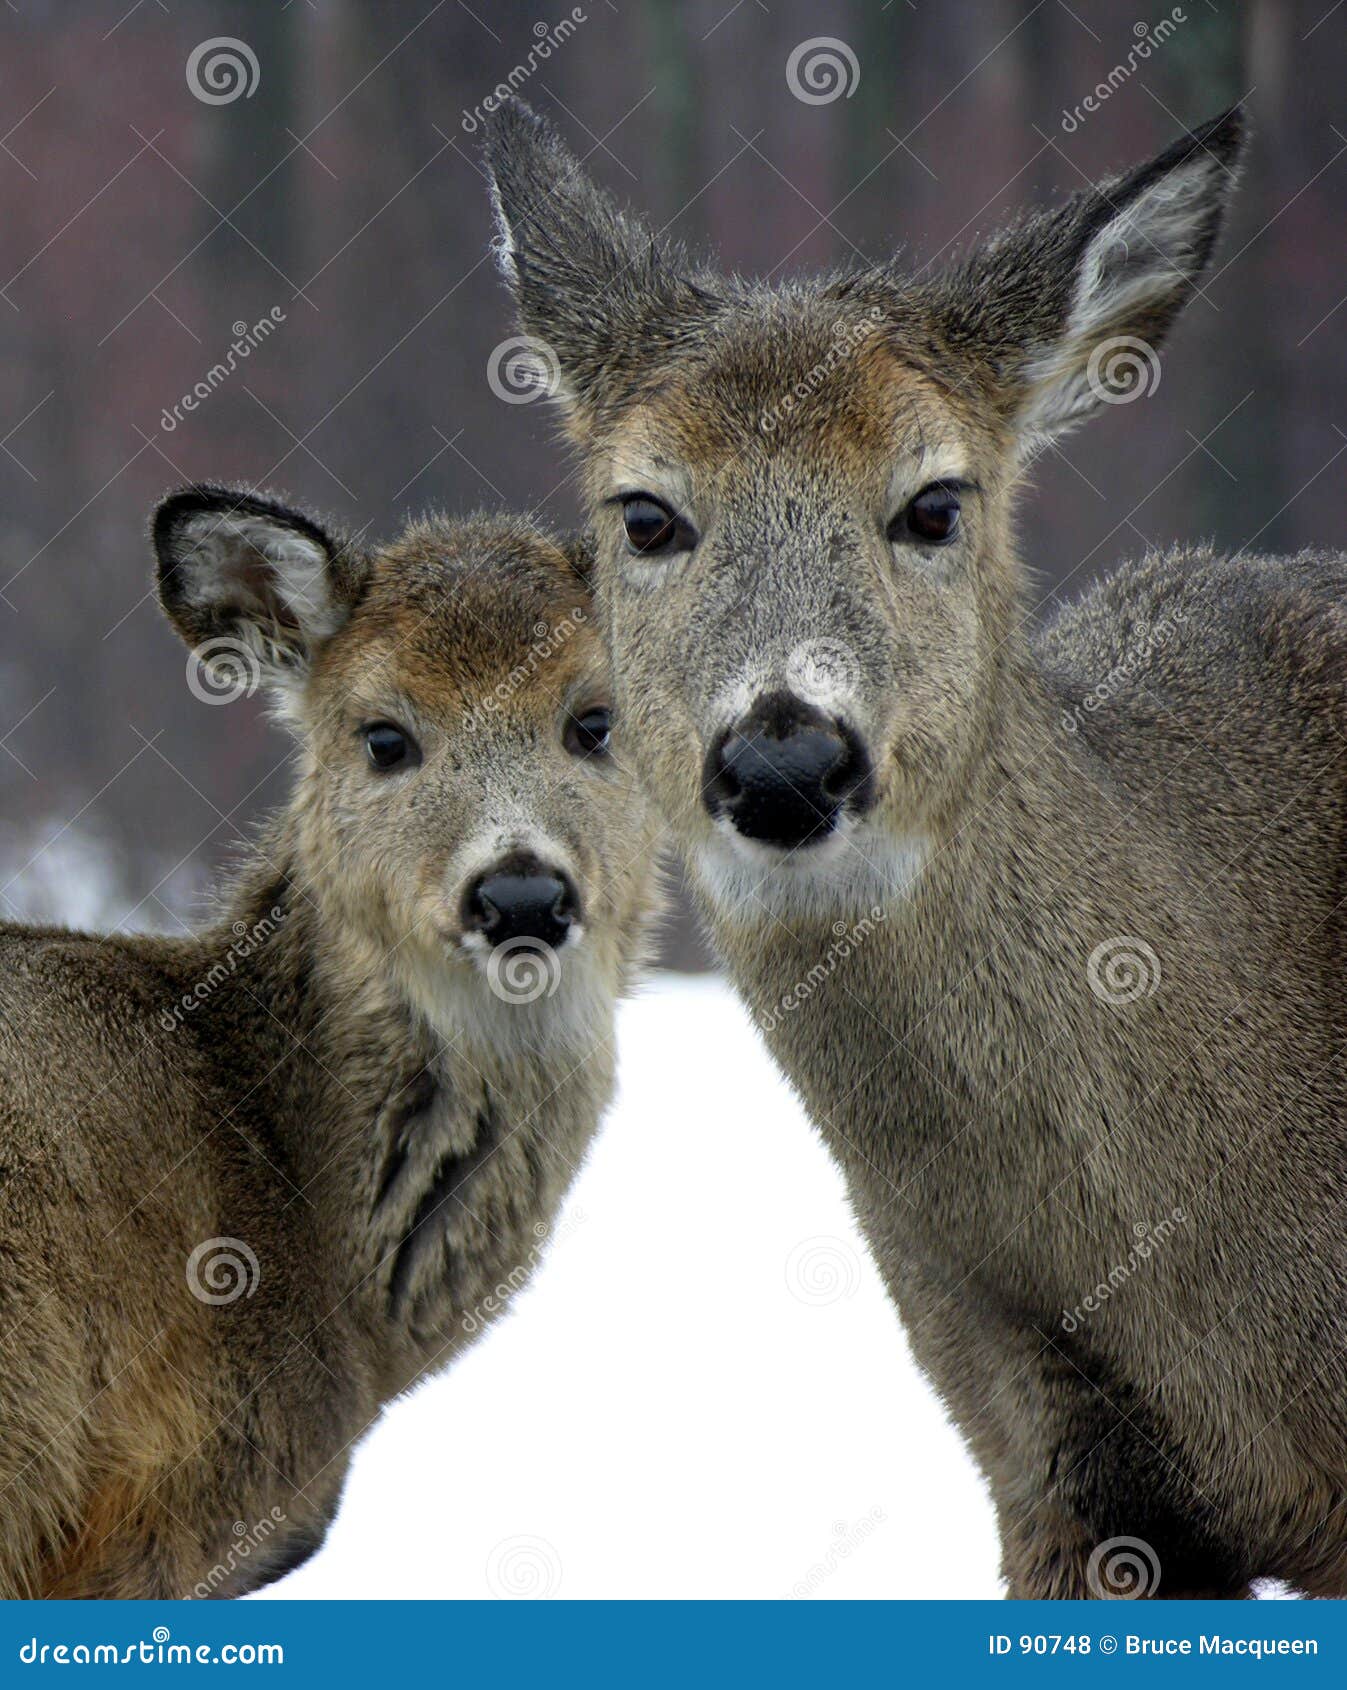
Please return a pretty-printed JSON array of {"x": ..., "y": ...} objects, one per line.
[{"x": 704, "y": 1393}]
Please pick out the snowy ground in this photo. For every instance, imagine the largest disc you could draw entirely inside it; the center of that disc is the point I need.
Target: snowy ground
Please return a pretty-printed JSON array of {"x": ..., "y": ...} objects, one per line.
[{"x": 705, "y": 1393}]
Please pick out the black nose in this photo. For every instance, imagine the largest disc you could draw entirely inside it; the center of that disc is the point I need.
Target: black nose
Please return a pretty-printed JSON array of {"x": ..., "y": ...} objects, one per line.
[
  {"x": 522, "y": 898},
  {"x": 784, "y": 773}
]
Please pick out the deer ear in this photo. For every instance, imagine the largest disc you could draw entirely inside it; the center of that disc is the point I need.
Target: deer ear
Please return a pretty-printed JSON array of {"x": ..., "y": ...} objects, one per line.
[
  {"x": 1075, "y": 304},
  {"x": 597, "y": 295},
  {"x": 252, "y": 586}
]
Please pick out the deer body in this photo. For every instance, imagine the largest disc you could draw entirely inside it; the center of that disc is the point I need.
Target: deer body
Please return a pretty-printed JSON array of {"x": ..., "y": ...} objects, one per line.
[
  {"x": 1007, "y": 1150},
  {"x": 1045, "y": 930},
  {"x": 263, "y": 1179}
]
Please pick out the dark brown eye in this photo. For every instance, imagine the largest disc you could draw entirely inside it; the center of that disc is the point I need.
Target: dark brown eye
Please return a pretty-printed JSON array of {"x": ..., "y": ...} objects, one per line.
[
  {"x": 587, "y": 734},
  {"x": 931, "y": 517},
  {"x": 389, "y": 747},
  {"x": 652, "y": 528}
]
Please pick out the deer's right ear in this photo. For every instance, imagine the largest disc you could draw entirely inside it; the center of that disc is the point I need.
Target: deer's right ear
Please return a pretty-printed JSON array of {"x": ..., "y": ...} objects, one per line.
[
  {"x": 243, "y": 577},
  {"x": 597, "y": 295}
]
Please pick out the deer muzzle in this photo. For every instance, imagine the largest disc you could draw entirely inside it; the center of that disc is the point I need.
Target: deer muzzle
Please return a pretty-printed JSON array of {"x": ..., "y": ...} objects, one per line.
[{"x": 785, "y": 773}]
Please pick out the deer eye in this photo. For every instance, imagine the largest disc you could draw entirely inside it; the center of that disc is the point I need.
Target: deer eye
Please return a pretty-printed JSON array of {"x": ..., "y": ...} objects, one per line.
[
  {"x": 587, "y": 735},
  {"x": 389, "y": 746},
  {"x": 932, "y": 516},
  {"x": 653, "y": 529}
]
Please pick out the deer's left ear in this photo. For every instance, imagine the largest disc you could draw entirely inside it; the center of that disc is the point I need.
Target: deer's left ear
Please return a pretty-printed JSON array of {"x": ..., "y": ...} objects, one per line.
[{"x": 1073, "y": 306}]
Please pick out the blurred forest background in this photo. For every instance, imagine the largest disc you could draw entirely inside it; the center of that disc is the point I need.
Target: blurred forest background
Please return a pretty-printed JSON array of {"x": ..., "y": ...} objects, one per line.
[{"x": 341, "y": 195}]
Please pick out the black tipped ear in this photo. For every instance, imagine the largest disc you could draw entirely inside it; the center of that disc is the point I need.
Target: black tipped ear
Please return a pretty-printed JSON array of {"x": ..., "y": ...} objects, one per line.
[
  {"x": 552, "y": 220},
  {"x": 592, "y": 284},
  {"x": 1072, "y": 306},
  {"x": 242, "y": 577}
]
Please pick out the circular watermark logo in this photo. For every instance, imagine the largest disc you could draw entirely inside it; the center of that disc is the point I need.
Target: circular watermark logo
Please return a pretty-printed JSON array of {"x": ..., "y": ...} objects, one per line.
[
  {"x": 821, "y": 70},
  {"x": 526, "y": 1567},
  {"x": 823, "y": 668},
  {"x": 221, "y": 670},
  {"x": 1122, "y": 369},
  {"x": 1123, "y": 1569},
  {"x": 222, "y": 1270},
  {"x": 222, "y": 70},
  {"x": 822, "y": 1270},
  {"x": 523, "y": 970},
  {"x": 522, "y": 370},
  {"x": 1122, "y": 970}
]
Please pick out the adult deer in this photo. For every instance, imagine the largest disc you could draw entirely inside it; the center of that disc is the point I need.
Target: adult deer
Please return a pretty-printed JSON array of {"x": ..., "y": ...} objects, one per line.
[{"x": 1048, "y": 937}]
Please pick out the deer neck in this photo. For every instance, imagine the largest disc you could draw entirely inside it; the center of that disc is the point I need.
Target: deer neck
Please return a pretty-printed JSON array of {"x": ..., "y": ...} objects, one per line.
[
  {"x": 902, "y": 1022},
  {"x": 427, "y": 1160}
]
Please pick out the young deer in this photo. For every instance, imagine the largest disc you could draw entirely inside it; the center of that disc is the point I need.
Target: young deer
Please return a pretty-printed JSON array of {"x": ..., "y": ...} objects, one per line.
[
  {"x": 258, "y": 1181},
  {"x": 1048, "y": 938}
]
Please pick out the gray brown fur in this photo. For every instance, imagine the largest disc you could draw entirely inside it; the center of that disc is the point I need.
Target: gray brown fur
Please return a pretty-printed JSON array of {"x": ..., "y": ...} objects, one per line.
[
  {"x": 348, "y": 1098},
  {"x": 1004, "y": 1130}
]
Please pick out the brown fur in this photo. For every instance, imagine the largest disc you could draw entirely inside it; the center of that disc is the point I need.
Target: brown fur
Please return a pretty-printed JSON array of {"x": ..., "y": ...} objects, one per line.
[
  {"x": 1009, "y": 1135},
  {"x": 351, "y": 1060}
]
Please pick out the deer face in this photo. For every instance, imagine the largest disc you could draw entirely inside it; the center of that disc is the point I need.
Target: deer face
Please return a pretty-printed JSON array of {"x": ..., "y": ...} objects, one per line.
[
  {"x": 801, "y": 498},
  {"x": 802, "y": 597},
  {"x": 459, "y": 812}
]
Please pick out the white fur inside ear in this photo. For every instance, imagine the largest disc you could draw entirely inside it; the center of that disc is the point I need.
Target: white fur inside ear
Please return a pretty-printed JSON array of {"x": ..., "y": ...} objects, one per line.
[
  {"x": 503, "y": 246},
  {"x": 1145, "y": 256},
  {"x": 1147, "y": 252},
  {"x": 533, "y": 363},
  {"x": 273, "y": 572}
]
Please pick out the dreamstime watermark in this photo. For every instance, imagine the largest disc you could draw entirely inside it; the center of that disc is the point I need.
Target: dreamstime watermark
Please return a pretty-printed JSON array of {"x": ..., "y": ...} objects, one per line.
[
  {"x": 1121, "y": 369},
  {"x": 526, "y": 1567},
  {"x": 846, "y": 941},
  {"x": 245, "y": 342},
  {"x": 522, "y": 970},
  {"x": 156, "y": 1650},
  {"x": 822, "y": 669},
  {"x": 493, "y": 1303},
  {"x": 221, "y": 1270},
  {"x": 247, "y": 939},
  {"x": 1123, "y": 1569},
  {"x": 1122, "y": 969},
  {"x": 548, "y": 639},
  {"x": 847, "y": 1539},
  {"x": 222, "y": 70},
  {"x": 1146, "y": 639},
  {"x": 247, "y": 1540},
  {"x": 1148, "y": 38},
  {"x": 1148, "y": 1239},
  {"x": 848, "y": 338},
  {"x": 820, "y": 1271},
  {"x": 522, "y": 370},
  {"x": 821, "y": 70},
  {"x": 547, "y": 38},
  {"x": 222, "y": 669}
]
